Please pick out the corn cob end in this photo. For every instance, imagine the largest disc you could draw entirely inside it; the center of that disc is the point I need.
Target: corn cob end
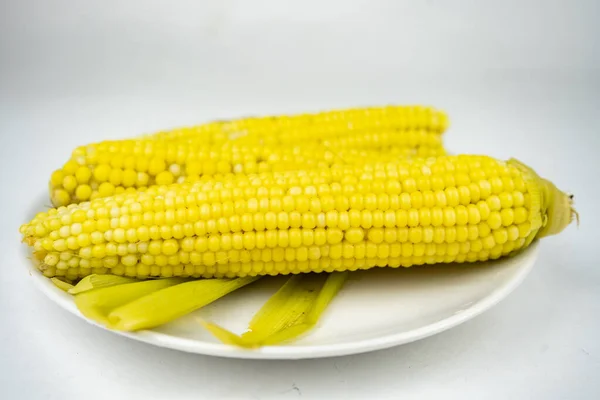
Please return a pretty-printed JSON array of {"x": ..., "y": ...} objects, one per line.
[
  {"x": 556, "y": 206},
  {"x": 559, "y": 210}
]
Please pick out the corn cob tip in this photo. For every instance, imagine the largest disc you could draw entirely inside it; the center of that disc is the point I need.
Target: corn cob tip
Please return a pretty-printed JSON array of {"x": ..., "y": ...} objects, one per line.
[
  {"x": 574, "y": 213},
  {"x": 560, "y": 211},
  {"x": 556, "y": 206}
]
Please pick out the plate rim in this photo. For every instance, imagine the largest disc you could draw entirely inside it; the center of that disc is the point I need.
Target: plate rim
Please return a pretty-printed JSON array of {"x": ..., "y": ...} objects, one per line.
[{"x": 305, "y": 351}]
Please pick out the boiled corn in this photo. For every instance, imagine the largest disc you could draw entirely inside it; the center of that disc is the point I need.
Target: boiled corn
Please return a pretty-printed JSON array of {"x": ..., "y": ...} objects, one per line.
[
  {"x": 412, "y": 212},
  {"x": 248, "y": 145},
  {"x": 329, "y": 124}
]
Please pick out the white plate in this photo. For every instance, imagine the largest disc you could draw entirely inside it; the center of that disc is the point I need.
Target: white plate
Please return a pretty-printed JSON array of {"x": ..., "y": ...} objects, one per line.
[{"x": 376, "y": 309}]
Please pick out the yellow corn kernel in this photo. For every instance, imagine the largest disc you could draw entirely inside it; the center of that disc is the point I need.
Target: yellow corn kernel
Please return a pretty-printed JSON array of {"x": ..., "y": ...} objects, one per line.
[
  {"x": 83, "y": 192},
  {"x": 101, "y": 173}
]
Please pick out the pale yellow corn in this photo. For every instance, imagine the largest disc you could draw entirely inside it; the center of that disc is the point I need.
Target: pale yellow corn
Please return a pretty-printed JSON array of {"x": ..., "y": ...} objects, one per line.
[
  {"x": 248, "y": 146},
  {"x": 412, "y": 212},
  {"x": 324, "y": 125}
]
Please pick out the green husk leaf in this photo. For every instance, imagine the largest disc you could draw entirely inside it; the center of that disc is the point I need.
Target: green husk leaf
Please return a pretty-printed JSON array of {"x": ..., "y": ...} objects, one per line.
[
  {"x": 62, "y": 285},
  {"x": 290, "y": 313},
  {"x": 287, "y": 307},
  {"x": 226, "y": 336},
  {"x": 168, "y": 304},
  {"x": 96, "y": 304},
  {"x": 95, "y": 281},
  {"x": 334, "y": 283}
]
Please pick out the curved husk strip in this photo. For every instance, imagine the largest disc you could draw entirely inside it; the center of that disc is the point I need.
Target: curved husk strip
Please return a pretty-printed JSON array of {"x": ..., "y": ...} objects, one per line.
[
  {"x": 98, "y": 303},
  {"x": 168, "y": 304},
  {"x": 291, "y": 312},
  {"x": 96, "y": 281},
  {"x": 62, "y": 285}
]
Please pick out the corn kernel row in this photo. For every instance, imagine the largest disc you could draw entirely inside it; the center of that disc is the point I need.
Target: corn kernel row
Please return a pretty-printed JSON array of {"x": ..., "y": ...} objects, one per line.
[{"x": 323, "y": 264}]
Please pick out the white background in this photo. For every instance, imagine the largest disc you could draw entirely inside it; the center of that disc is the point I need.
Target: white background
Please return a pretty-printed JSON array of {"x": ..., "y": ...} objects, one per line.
[{"x": 518, "y": 78}]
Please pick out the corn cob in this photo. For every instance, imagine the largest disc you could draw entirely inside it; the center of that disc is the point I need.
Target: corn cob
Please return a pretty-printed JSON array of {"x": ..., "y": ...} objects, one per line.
[
  {"x": 115, "y": 169},
  {"x": 267, "y": 144},
  {"x": 299, "y": 128},
  {"x": 412, "y": 212}
]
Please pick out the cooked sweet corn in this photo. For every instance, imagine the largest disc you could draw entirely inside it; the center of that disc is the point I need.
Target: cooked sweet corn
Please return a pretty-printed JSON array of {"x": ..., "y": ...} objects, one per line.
[
  {"x": 250, "y": 145},
  {"x": 411, "y": 212},
  {"x": 329, "y": 124},
  {"x": 121, "y": 167}
]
